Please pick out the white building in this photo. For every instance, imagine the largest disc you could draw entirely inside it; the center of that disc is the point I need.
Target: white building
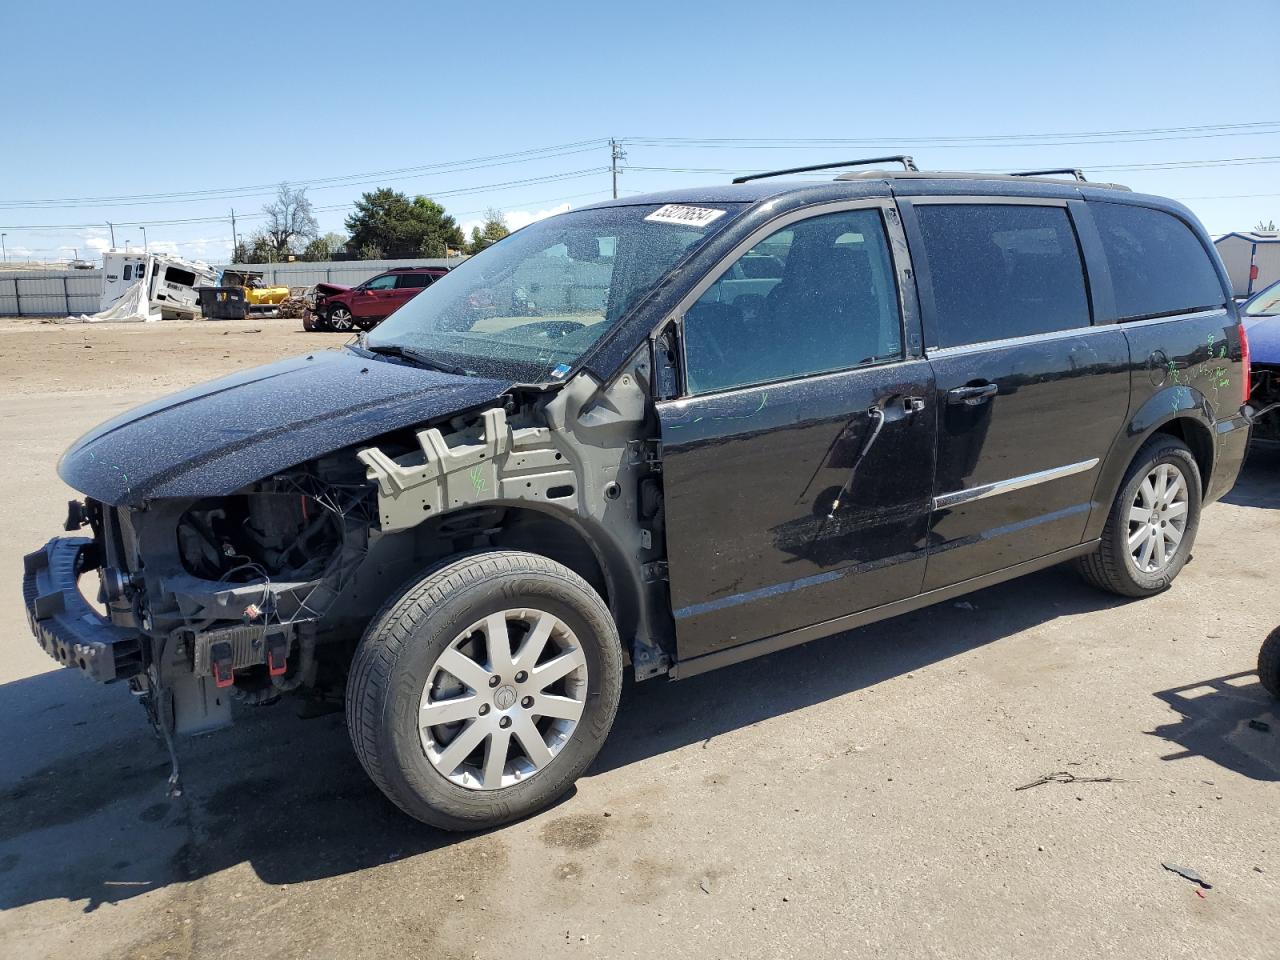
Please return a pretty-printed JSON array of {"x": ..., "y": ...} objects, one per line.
[{"x": 1252, "y": 260}]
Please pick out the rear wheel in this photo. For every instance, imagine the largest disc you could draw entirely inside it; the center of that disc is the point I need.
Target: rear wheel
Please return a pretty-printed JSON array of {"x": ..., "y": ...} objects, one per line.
[
  {"x": 1269, "y": 663},
  {"x": 483, "y": 692},
  {"x": 1152, "y": 524},
  {"x": 340, "y": 319}
]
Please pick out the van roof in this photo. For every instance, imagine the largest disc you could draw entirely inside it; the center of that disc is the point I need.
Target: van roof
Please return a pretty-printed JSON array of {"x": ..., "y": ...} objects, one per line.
[{"x": 904, "y": 183}]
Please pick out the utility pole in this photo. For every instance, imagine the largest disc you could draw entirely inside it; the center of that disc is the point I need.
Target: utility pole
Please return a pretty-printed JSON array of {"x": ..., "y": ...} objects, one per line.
[
  {"x": 2, "y": 249},
  {"x": 145, "y": 248},
  {"x": 235, "y": 243},
  {"x": 616, "y": 153},
  {"x": 112, "y": 228}
]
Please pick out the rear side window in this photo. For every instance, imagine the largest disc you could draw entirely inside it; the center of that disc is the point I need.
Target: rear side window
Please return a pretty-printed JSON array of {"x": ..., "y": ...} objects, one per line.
[
  {"x": 413, "y": 280},
  {"x": 1002, "y": 270},
  {"x": 1158, "y": 266}
]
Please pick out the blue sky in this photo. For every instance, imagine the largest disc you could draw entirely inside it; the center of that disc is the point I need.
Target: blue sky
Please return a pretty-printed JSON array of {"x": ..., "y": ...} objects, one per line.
[{"x": 200, "y": 97}]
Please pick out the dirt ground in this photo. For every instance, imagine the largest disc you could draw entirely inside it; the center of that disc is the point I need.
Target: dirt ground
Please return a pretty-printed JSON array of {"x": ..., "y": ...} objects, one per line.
[{"x": 853, "y": 797}]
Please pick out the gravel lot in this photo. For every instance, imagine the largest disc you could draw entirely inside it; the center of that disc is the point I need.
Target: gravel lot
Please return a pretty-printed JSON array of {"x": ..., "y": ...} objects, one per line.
[{"x": 854, "y": 797}]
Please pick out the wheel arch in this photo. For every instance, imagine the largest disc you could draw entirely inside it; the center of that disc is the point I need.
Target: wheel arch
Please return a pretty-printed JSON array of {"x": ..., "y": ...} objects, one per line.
[
  {"x": 1181, "y": 412},
  {"x": 550, "y": 531}
]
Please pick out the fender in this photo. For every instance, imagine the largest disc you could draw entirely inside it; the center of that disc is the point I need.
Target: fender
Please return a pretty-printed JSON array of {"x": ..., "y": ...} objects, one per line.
[
  {"x": 1184, "y": 404},
  {"x": 579, "y": 461}
]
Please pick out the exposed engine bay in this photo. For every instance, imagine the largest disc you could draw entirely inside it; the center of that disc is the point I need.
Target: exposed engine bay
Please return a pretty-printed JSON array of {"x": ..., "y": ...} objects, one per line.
[{"x": 266, "y": 591}]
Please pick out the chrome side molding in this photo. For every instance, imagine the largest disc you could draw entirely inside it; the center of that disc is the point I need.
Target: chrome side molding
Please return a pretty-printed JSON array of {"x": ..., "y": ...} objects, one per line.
[{"x": 1013, "y": 483}]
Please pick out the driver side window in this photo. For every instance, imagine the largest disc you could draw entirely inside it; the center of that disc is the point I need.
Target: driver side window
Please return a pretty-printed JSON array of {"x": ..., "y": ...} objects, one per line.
[{"x": 815, "y": 297}]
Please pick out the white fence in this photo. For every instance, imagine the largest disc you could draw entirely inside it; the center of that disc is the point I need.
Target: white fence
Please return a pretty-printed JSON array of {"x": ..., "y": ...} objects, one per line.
[
  {"x": 50, "y": 292},
  {"x": 346, "y": 272}
]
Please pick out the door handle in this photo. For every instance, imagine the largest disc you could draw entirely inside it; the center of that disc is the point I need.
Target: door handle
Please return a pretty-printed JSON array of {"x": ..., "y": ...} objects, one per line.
[{"x": 973, "y": 395}]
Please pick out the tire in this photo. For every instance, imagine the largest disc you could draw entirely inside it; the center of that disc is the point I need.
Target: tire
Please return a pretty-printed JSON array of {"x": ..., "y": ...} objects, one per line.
[
  {"x": 1269, "y": 663},
  {"x": 1113, "y": 566},
  {"x": 400, "y": 668},
  {"x": 340, "y": 318}
]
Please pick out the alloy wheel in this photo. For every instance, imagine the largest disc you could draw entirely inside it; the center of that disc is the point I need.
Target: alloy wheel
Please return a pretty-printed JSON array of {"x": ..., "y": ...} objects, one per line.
[
  {"x": 503, "y": 699},
  {"x": 340, "y": 319},
  {"x": 1158, "y": 518}
]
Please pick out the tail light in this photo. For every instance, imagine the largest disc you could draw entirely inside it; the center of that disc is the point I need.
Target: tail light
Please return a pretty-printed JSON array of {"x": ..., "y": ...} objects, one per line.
[
  {"x": 1246, "y": 374},
  {"x": 1253, "y": 271}
]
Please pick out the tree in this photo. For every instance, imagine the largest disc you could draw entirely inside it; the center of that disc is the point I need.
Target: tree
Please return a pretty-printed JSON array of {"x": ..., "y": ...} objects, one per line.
[
  {"x": 400, "y": 227},
  {"x": 240, "y": 253},
  {"x": 291, "y": 221},
  {"x": 262, "y": 249},
  {"x": 1268, "y": 227},
  {"x": 493, "y": 230},
  {"x": 323, "y": 248},
  {"x": 370, "y": 251}
]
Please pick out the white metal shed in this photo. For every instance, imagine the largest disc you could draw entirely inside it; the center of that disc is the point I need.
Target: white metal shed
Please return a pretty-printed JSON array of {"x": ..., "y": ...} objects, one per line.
[{"x": 1252, "y": 259}]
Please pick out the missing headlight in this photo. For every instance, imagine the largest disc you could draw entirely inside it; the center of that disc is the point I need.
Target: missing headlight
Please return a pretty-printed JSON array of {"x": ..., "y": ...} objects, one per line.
[{"x": 240, "y": 539}]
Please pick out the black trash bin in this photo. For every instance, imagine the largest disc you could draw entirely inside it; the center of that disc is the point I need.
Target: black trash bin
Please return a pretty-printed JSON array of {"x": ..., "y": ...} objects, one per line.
[{"x": 223, "y": 303}]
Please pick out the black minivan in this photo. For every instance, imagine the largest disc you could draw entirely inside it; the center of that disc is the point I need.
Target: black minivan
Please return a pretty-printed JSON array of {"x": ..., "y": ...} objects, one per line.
[{"x": 670, "y": 432}]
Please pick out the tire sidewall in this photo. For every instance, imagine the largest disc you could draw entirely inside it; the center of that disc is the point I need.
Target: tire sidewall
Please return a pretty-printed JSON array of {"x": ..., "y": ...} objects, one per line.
[
  {"x": 1269, "y": 663},
  {"x": 351, "y": 320},
  {"x": 412, "y": 774},
  {"x": 1179, "y": 456}
]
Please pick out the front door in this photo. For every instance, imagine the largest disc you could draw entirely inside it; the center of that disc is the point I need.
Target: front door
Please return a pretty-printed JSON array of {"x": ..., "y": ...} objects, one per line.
[
  {"x": 798, "y": 463},
  {"x": 1030, "y": 395},
  {"x": 374, "y": 300}
]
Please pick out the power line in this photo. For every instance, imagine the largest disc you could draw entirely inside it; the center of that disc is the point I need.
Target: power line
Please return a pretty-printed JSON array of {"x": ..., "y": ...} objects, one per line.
[
  {"x": 1135, "y": 135},
  {"x": 1232, "y": 196},
  {"x": 453, "y": 166},
  {"x": 223, "y": 218},
  {"x": 1132, "y": 135},
  {"x": 1159, "y": 165}
]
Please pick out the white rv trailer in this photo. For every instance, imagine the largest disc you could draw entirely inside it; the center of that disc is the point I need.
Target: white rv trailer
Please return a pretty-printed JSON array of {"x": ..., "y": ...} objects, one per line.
[
  {"x": 1252, "y": 259},
  {"x": 170, "y": 282}
]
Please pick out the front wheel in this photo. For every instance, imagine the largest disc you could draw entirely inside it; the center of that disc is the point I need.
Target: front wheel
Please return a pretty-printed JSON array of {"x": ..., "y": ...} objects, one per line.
[
  {"x": 482, "y": 692},
  {"x": 340, "y": 319},
  {"x": 1152, "y": 523},
  {"x": 1269, "y": 663}
]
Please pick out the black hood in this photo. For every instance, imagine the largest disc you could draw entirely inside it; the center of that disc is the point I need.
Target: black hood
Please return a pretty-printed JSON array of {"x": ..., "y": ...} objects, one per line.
[{"x": 213, "y": 439}]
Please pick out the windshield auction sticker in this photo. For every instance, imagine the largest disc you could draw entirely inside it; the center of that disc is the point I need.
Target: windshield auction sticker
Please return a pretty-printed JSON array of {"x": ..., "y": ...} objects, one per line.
[{"x": 684, "y": 216}]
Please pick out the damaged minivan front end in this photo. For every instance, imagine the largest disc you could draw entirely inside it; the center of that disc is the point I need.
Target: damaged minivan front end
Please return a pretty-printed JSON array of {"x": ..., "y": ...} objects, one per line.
[
  {"x": 244, "y": 539},
  {"x": 219, "y": 559},
  {"x": 202, "y": 600},
  {"x": 248, "y": 594}
]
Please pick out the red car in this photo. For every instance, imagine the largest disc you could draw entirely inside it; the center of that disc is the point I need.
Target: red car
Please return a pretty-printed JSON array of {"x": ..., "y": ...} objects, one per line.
[{"x": 331, "y": 306}]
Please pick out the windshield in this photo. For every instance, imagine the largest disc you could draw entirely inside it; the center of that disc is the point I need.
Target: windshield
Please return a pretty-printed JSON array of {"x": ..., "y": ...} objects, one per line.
[
  {"x": 529, "y": 306},
  {"x": 1266, "y": 303}
]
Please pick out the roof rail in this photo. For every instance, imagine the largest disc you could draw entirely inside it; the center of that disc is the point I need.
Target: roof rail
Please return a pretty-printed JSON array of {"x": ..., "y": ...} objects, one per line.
[
  {"x": 907, "y": 164},
  {"x": 1075, "y": 172}
]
